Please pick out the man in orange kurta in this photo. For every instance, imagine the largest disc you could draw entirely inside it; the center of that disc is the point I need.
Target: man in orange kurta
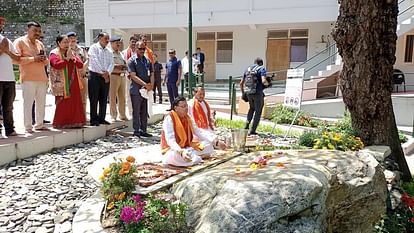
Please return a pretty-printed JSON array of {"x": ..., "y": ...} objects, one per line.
[
  {"x": 200, "y": 110},
  {"x": 32, "y": 75},
  {"x": 177, "y": 138}
]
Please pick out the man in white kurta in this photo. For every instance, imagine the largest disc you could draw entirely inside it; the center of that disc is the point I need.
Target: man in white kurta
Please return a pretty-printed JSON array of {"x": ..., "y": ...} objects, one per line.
[
  {"x": 199, "y": 110},
  {"x": 177, "y": 142}
]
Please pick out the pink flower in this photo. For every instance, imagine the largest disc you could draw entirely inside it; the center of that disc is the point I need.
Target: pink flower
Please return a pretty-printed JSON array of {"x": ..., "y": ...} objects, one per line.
[
  {"x": 412, "y": 220},
  {"x": 127, "y": 214},
  {"x": 139, "y": 214},
  {"x": 136, "y": 198}
]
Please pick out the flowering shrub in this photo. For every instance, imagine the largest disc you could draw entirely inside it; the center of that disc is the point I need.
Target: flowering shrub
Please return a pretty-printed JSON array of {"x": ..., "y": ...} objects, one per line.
[
  {"x": 399, "y": 220},
  {"x": 337, "y": 141},
  {"x": 138, "y": 215},
  {"x": 118, "y": 181}
]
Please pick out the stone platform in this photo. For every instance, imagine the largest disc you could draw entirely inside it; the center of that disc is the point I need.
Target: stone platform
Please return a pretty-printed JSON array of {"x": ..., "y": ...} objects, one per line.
[{"x": 299, "y": 191}]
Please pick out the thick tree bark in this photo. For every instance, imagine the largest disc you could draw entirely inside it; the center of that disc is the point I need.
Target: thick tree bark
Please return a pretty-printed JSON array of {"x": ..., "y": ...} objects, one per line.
[{"x": 366, "y": 37}]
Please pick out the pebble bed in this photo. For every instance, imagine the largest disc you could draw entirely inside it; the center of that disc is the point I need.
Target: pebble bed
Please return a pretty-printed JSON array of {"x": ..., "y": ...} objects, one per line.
[{"x": 42, "y": 194}]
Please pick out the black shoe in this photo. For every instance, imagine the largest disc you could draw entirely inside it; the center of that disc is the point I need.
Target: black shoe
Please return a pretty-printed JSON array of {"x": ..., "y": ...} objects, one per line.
[
  {"x": 94, "y": 124},
  {"x": 137, "y": 135},
  {"x": 46, "y": 122},
  {"x": 145, "y": 134},
  {"x": 252, "y": 133},
  {"x": 104, "y": 122},
  {"x": 11, "y": 134}
]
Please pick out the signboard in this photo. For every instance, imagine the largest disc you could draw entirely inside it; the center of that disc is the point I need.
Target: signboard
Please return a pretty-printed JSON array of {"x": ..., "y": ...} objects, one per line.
[{"x": 294, "y": 86}]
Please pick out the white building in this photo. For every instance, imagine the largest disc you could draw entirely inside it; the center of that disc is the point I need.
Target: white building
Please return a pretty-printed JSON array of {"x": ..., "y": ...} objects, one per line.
[{"x": 231, "y": 33}]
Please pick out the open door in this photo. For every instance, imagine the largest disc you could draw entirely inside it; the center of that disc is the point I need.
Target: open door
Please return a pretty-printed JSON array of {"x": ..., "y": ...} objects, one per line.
[
  {"x": 208, "y": 47},
  {"x": 278, "y": 57}
]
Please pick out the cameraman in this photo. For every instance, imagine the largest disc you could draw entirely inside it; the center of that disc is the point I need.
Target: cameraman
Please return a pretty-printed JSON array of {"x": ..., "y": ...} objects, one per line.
[{"x": 252, "y": 92}]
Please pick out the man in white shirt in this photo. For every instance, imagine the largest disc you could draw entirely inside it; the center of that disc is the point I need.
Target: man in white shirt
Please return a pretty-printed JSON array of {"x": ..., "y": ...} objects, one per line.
[
  {"x": 101, "y": 64},
  {"x": 200, "y": 111},
  {"x": 7, "y": 81}
]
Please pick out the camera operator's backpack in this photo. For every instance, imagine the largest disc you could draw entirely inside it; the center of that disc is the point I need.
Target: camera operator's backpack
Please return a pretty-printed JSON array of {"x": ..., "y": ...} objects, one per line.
[{"x": 250, "y": 82}]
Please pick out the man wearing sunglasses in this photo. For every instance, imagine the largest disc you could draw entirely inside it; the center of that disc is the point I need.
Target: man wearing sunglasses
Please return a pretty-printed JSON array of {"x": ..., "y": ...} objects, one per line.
[{"x": 141, "y": 75}]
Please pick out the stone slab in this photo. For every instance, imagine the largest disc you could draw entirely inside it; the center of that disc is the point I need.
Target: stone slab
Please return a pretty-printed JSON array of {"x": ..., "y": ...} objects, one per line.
[{"x": 88, "y": 217}]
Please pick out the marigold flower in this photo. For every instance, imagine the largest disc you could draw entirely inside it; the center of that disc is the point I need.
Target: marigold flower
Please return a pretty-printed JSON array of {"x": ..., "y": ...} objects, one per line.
[
  {"x": 101, "y": 177},
  {"x": 120, "y": 196},
  {"x": 126, "y": 165},
  {"x": 280, "y": 164},
  {"x": 130, "y": 159},
  {"x": 106, "y": 171},
  {"x": 111, "y": 205}
]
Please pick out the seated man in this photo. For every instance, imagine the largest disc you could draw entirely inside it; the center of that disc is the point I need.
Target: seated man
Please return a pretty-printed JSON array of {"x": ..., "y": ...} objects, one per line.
[
  {"x": 178, "y": 132},
  {"x": 200, "y": 111}
]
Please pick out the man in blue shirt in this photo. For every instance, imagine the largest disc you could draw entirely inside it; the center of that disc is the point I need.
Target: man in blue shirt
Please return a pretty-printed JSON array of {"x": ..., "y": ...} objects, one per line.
[
  {"x": 141, "y": 75},
  {"x": 173, "y": 74},
  {"x": 256, "y": 100}
]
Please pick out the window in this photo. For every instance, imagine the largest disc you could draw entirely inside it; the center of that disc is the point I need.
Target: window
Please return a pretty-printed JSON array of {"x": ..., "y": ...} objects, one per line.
[
  {"x": 206, "y": 36},
  {"x": 278, "y": 34},
  {"x": 409, "y": 46},
  {"x": 299, "y": 33},
  {"x": 159, "y": 46},
  {"x": 298, "y": 50},
  {"x": 224, "y": 47}
]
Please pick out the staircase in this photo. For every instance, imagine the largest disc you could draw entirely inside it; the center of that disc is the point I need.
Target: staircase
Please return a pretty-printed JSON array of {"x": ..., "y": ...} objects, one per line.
[
  {"x": 316, "y": 84},
  {"x": 405, "y": 17}
]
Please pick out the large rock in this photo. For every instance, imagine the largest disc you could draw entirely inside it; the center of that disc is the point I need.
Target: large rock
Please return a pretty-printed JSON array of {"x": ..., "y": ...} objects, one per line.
[{"x": 316, "y": 191}]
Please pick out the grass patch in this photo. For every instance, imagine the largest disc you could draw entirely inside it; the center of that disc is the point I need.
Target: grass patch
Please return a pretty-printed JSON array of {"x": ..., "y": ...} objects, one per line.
[{"x": 239, "y": 124}]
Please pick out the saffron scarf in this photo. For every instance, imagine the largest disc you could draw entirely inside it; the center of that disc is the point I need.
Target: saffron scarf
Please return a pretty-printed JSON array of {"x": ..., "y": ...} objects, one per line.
[
  {"x": 202, "y": 120},
  {"x": 183, "y": 131}
]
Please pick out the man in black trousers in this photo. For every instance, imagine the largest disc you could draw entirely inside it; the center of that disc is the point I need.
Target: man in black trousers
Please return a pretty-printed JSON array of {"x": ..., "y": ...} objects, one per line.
[{"x": 101, "y": 64}]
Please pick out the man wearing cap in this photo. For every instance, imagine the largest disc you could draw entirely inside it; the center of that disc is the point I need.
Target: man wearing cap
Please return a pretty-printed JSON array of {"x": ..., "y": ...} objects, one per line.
[
  {"x": 117, "y": 82},
  {"x": 81, "y": 52},
  {"x": 32, "y": 75},
  {"x": 100, "y": 67},
  {"x": 7, "y": 82}
]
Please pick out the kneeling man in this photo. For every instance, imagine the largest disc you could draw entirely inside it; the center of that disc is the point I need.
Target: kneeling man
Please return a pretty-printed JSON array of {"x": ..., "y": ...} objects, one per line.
[{"x": 177, "y": 138}]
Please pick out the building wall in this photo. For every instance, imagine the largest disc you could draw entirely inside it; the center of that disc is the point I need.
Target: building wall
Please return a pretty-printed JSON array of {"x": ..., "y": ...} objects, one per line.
[
  {"x": 206, "y": 13},
  {"x": 55, "y": 16},
  {"x": 247, "y": 43},
  {"x": 406, "y": 68}
]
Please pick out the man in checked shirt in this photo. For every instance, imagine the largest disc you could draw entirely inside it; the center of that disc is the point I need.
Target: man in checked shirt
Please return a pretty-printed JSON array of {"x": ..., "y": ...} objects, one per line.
[{"x": 101, "y": 64}]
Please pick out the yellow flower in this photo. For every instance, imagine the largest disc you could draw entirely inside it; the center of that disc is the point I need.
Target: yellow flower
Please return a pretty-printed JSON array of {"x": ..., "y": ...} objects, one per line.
[
  {"x": 331, "y": 147},
  {"x": 280, "y": 164},
  {"x": 130, "y": 159},
  {"x": 106, "y": 171},
  {"x": 101, "y": 177},
  {"x": 111, "y": 205},
  {"x": 268, "y": 155},
  {"x": 253, "y": 166},
  {"x": 237, "y": 169}
]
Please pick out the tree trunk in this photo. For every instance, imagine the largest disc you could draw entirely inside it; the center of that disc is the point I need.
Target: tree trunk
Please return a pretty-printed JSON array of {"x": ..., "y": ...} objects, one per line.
[{"x": 365, "y": 33}]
